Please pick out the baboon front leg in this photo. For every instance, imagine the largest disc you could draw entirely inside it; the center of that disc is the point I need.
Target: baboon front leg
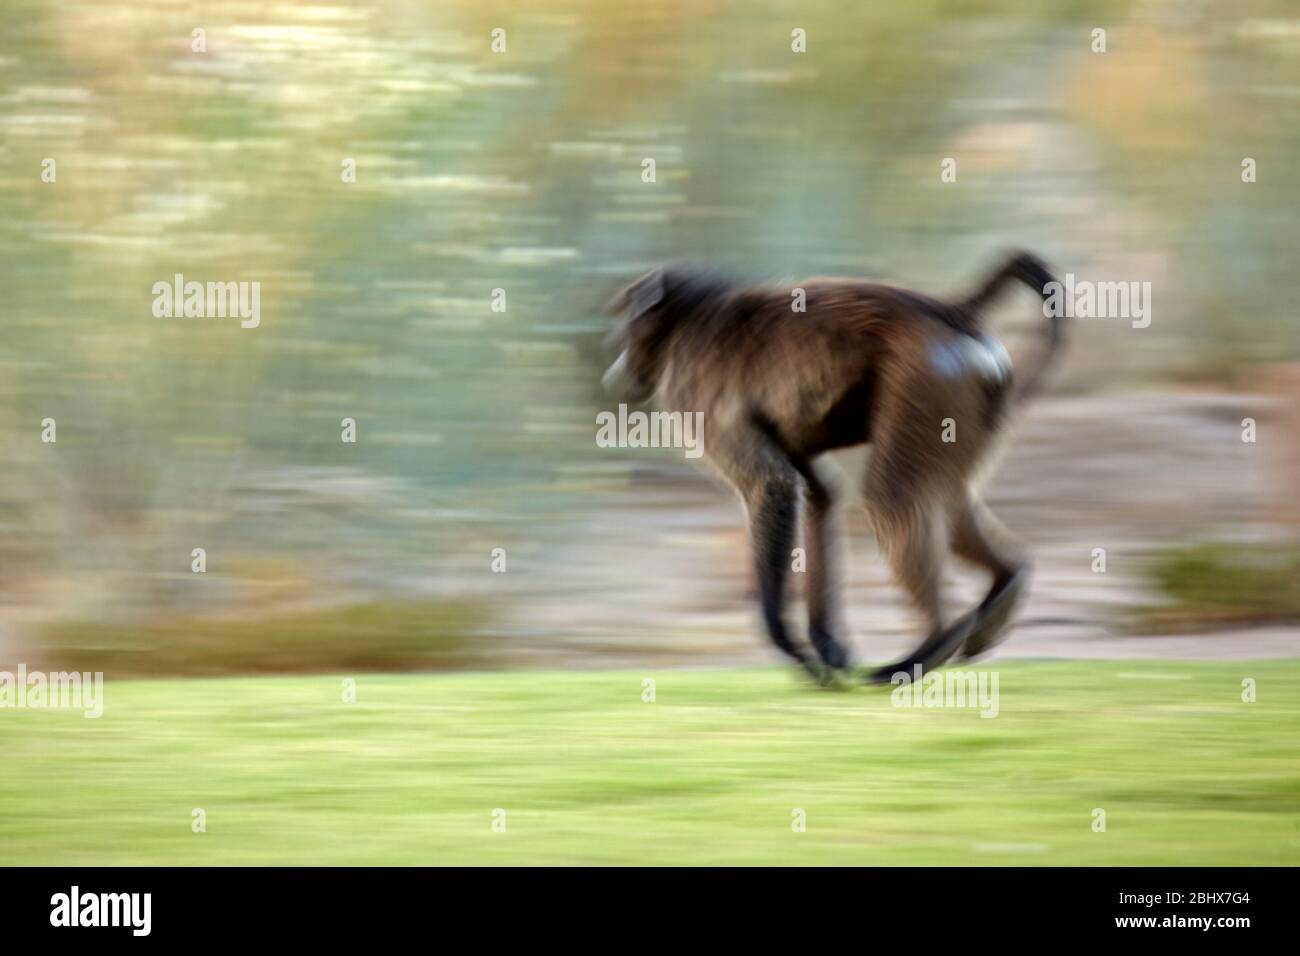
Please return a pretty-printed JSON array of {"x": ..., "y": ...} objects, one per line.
[
  {"x": 822, "y": 541},
  {"x": 772, "y": 505},
  {"x": 978, "y": 537}
]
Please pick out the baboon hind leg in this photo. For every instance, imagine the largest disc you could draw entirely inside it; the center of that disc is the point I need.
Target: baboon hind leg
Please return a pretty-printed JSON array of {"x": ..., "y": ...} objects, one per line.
[
  {"x": 907, "y": 482},
  {"x": 978, "y": 537},
  {"x": 911, "y": 537}
]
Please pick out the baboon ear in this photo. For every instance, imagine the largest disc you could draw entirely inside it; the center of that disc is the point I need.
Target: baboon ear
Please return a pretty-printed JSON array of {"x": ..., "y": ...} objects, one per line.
[{"x": 641, "y": 296}]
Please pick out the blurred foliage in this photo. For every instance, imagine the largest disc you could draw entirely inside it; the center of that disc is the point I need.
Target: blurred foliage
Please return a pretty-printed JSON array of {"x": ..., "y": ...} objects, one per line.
[
  {"x": 1213, "y": 586},
  {"x": 348, "y": 639},
  {"x": 521, "y": 171}
]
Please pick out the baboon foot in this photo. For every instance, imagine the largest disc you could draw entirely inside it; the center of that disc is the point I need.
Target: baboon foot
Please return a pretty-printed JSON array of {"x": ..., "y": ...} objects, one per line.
[
  {"x": 815, "y": 671},
  {"x": 833, "y": 654},
  {"x": 988, "y": 622},
  {"x": 933, "y": 652},
  {"x": 822, "y": 676}
]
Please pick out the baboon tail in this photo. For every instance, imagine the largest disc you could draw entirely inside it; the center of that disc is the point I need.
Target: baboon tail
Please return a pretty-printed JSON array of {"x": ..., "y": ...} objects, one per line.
[{"x": 1029, "y": 269}]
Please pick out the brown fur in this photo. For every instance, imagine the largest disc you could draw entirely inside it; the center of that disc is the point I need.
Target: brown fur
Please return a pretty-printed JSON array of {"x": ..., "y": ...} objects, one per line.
[{"x": 865, "y": 363}]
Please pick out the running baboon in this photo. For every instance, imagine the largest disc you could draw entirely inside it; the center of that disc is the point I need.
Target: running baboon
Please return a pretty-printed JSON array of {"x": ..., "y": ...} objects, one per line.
[{"x": 913, "y": 376}]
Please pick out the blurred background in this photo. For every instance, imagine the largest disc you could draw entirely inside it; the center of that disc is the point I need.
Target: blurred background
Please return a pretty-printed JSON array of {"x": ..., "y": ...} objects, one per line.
[{"x": 521, "y": 171}]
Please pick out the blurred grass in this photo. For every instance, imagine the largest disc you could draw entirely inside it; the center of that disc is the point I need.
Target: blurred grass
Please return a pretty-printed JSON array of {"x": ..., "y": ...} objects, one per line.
[
  {"x": 382, "y": 635},
  {"x": 1212, "y": 586},
  {"x": 1187, "y": 773}
]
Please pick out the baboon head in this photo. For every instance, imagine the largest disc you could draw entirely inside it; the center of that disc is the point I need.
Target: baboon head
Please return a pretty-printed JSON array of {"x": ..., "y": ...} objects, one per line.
[
  {"x": 639, "y": 338},
  {"x": 655, "y": 308}
]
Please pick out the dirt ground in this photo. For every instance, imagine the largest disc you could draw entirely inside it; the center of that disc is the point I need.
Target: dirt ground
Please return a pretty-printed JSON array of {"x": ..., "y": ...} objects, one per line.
[{"x": 660, "y": 573}]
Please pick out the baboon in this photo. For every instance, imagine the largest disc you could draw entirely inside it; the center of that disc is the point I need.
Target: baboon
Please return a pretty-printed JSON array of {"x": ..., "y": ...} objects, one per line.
[{"x": 912, "y": 376}]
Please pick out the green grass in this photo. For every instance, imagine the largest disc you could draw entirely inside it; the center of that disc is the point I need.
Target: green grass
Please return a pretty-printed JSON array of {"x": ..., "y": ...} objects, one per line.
[{"x": 709, "y": 773}]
